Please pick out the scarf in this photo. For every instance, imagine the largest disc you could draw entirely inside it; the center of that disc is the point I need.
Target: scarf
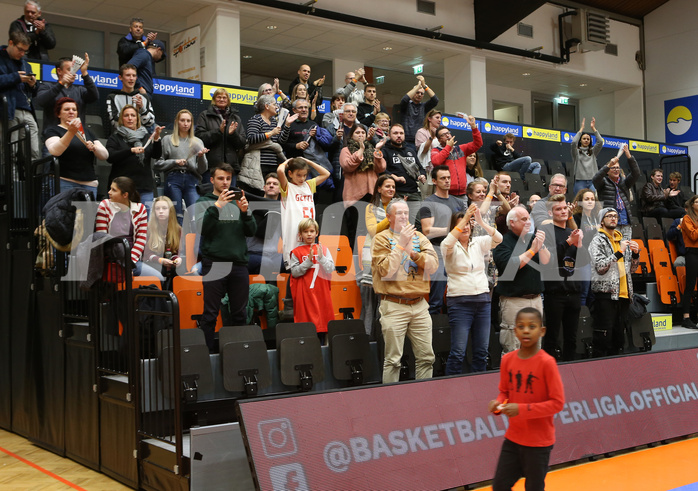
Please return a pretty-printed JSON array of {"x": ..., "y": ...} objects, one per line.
[
  {"x": 367, "y": 163},
  {"x": 134, "y": 138}
]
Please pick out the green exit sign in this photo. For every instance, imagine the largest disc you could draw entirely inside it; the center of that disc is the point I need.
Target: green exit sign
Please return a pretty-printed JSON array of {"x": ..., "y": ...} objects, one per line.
[
  {"x": 380, "y": 80},
  {"x": 563, "y": 100},
  {"x": 418, "y": 69}
]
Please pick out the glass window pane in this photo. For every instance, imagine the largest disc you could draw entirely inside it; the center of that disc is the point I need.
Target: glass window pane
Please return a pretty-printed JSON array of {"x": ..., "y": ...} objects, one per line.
[
  {"x": 567, "y": 117},
  {"x": 543, "y": 113},
  {"x": 75, "y": 41}
]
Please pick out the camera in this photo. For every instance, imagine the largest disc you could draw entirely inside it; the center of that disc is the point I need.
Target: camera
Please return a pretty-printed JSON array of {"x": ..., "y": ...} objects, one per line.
[{"x": 237, "y": 193}]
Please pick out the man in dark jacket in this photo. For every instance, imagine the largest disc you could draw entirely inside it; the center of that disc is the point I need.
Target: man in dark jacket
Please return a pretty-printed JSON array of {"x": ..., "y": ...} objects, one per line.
[
  {"x": 18, "y": 84},
  {"x": 133, "y": 41},
  {"x": 413, "y": 109},
  {"x": 223, "y": 227},
  {"x": 50, "y": 92},
  {"x": 613, "y": 189},
  {"x": 41, "y": 37},
  {"x": 562, "y": 301},
  {"x": 401, "y": 162},
  {"x": 144, "y": 61},
  {"x": 313, "y": 87}
]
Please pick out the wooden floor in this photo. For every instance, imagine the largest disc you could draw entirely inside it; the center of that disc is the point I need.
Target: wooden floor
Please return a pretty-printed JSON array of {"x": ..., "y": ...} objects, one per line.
[
  {"x": 26, "y": 467},
  {"x": 661, "y": 468}
]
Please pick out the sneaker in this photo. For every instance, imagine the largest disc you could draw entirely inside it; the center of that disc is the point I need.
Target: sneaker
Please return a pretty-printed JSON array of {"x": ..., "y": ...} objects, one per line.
[{"x": 688, "y": 323}]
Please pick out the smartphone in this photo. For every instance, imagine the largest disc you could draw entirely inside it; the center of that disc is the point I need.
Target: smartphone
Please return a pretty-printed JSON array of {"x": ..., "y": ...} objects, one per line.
[{"x": 237, "y": 194}]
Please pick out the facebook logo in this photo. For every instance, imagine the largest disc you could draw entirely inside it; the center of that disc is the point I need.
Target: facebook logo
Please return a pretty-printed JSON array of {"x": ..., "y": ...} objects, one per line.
[{"x": 289, "y": 477}]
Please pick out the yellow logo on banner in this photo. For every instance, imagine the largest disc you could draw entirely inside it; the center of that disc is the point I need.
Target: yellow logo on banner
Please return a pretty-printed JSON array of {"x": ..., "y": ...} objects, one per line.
[
  {"x": 237, "y": 96},
  {"x": 36, "y": 69},
  {"x": 541, "y": 134},
  {"x": 644, "y": 146}
]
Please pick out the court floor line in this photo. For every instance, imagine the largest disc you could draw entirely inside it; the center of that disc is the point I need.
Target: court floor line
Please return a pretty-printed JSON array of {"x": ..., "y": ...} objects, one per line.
[{"x": 41, "y": 469}]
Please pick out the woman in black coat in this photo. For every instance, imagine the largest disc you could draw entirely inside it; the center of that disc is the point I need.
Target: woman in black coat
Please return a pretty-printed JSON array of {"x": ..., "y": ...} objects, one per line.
[{"x": 130, "y": 151}]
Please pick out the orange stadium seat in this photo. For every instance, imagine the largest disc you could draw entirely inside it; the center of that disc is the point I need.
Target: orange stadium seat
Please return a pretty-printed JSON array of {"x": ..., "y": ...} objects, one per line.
[
  {"x": 345, "y": 295},
  {"x": 189, "y": 291},
  {"x": 645, "y": 262},
  {"x": 341, "y": 252}
]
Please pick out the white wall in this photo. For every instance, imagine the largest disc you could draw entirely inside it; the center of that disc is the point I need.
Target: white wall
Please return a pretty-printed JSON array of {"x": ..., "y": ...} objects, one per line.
[
  {"x": 456, "y": 16},
  {"x": 506, "y": 94},
  {"x": 621, "y": 68},
  {"x": 671, "y": 40}
]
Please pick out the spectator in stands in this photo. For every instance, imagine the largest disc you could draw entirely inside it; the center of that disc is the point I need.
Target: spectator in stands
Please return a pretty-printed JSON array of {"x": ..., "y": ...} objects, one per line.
[
  {"x": 304, "y": 78},
  {"x": 424, "y": 140},
  {"x": 508, "y": 159},
  {"x": 402, "y": 261},
  {"x": 262, "y": 247},
  {"x": 468, "y": 295},
  {"x": 18, "y": 83},
  {"x": 297, "y": 198},
  {"x": 382, "y": 123},
  {"x": 519, "y": 284},
  {"x": 402, "y": 165},
  {"x": 362, "y": 163},
  {"x": 376, "y": 222},
  {"x": 535, "y": 198},
  {"x": 370, "y": 107},
  {"x": 76, "y": 156},
  {"x": 539, "y": 214},
  {"x": 41, "y": 37},
  {"x": 613, "y": 258},
  {"x": 133, "y": 41},
  {"x": 263, "y": 151},
  {"x": 433, "y": 220},
  {"x": 183, "y": 161},
  {"x": 311, "y": 271},
  {"x": 144, "y": 61},
  {"x": 128, "y": 94},
  {"x": 301, "y": 93},
  {"x": 509, "y": 200},
  {"x": 130, "y": 153},
  {"x": 586, "y": 216},
  {"x": 163, "y": 243},
  {"x": 676, "y": 237},
  {"x": 220, "y": 129},
  {"x": 351, "y": 91},
  {"x": 50, "y": 92},
  {"x": 614, "y": 190},
  {"x": 675, "y": 201},
  {"x": 223, "y": 251},
  {"x": 654, "y": 198},
  {"x": 689, "y": 231},
  {"x": 478, "y": 194},
  {"x": 123, "y": 215},
  {"x": 413, "y": 109},
  {"x": 458, "y": 158},
  {"x": 269, "y": 89},
  {"x": 561, "y": 302},
  {"x": 584, "y": 157},
  {"x": 332, "y": 119}
]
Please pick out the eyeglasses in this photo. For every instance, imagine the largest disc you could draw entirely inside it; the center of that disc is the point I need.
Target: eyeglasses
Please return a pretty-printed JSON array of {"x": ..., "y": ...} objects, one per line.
[
  {"x": 614, "y": 168},
  {"x": 555, "y": 185},
  {"x": 612, "y": 216}
]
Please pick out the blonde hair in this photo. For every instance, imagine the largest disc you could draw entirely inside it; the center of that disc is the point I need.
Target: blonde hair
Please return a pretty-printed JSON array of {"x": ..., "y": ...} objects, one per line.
[
  {"x": 157, "y": 242},
  {"x": 306, "y": 223},
  {"x": 175, "y": 133},
  {"x": 121, "y": 114},
  {"x": 218, "y": 92}
]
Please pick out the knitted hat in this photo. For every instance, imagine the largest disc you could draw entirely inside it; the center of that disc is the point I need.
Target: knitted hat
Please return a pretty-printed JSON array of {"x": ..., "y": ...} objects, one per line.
[{"x": 604, "y": 212}]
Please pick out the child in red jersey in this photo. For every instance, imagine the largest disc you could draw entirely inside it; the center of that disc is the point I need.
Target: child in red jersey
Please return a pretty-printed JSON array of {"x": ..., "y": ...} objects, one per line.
[
  {"x": 530, "y": 394},
  {"x": 311, "y": 268}
]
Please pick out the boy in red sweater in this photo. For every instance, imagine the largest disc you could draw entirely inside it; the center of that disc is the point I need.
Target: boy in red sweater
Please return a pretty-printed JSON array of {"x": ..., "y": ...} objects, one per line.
[{"x": 530, "y": 393}]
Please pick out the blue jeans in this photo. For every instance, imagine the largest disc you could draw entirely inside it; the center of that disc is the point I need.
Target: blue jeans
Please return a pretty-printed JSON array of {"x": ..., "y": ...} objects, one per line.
[
  {"x": 464, "y": 317},
  {"x": 522, "y": 165},
  {"x": 65, "y": 185},
  {"x": 437, "y": 289},
  {"x": 582, "y": 184},
  {"x": 178, "y": 186},
  {"x": 147, "y": 198},
  {"x": 141, "y": 269}
]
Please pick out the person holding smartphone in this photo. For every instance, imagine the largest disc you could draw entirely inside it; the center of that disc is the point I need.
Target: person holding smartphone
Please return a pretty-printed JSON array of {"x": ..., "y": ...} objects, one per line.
[{"x": 223, "y": 223}]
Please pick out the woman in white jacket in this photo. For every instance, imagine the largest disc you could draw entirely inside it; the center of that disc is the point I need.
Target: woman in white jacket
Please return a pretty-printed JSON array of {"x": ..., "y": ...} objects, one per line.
[{"x": 468, "y": 296}]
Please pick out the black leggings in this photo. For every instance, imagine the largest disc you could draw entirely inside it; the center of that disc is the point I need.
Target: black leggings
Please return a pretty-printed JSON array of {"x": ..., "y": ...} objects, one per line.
[{"x": 691, "y": 275}]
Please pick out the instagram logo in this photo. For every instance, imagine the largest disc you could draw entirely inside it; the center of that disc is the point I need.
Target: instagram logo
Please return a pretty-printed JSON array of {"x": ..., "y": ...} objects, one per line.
[{"x": 277, "y": 437}]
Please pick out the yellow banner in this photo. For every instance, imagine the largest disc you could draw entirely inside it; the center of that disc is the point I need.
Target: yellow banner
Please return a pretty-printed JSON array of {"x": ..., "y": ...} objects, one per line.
[
  {"x": 237, "y": 96},
  {"x": 541, "y": 134},
  {"x": 36, "y": 69},
  {"x": 662, "y": 322},
  {"x": 638, "y": 146}
]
